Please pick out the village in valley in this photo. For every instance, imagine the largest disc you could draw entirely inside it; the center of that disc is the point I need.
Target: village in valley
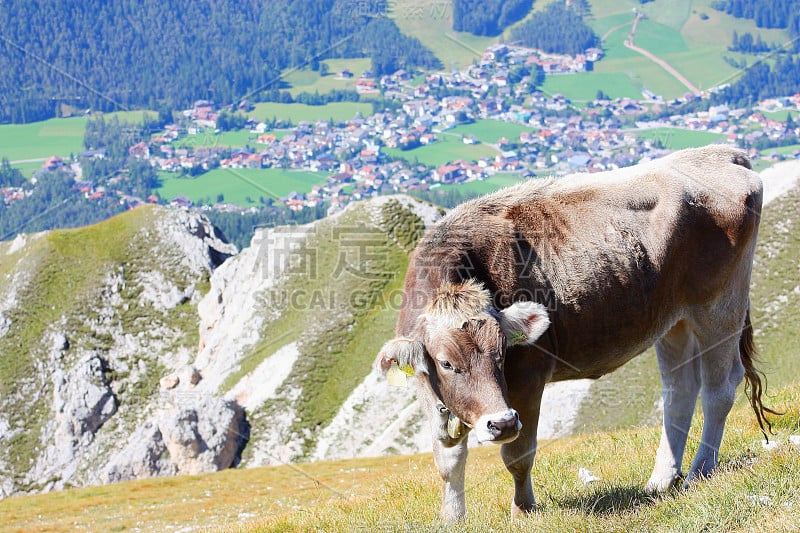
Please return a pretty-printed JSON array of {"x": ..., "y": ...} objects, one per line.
[{"x": 375, "y": 154}]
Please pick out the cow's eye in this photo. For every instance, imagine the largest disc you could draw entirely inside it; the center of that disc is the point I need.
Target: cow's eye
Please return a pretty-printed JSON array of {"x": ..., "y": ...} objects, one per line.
[{"x": 446, "y": 364}]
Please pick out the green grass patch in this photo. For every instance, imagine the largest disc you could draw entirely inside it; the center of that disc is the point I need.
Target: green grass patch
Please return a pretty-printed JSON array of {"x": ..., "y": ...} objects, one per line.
[
  {"x": 311, "y": 81},
  {"x": 774, "y": 297},
  {"x": 338, "y": 111},
  {"x": 57, "y": 136},
  {"x": 583, "y": 86},
  {"x": 39, "y": 140},
  {"x": 240, "y": 184},
  {"x": 672, "y": 15},
  {"x": 717, "y": 30},
  {"x": 28, "y": 169},
  {"x": 659, "y": 39},
  {"x": 432, "y": 24},
  {"x": 677, "y": 138},
  {"x": 489, "y": 131},
  {"x": 446, "y": 149}
]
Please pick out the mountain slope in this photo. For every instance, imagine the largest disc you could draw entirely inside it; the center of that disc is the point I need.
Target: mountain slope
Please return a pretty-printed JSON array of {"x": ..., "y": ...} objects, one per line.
[
  {"x": 300, "y": 315},
  {"x": 90, "y": 320},
  {"x": 106, "y": 376}
]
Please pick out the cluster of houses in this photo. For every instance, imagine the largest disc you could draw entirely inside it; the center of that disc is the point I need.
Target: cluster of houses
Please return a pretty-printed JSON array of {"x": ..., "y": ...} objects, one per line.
[
  {"x": 603, "y": 136},
  {"x": 360, "y": 155}
]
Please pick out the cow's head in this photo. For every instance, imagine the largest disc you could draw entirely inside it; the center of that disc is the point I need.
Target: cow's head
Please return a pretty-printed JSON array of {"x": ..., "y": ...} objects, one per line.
[{"x": 459, "y": 346}]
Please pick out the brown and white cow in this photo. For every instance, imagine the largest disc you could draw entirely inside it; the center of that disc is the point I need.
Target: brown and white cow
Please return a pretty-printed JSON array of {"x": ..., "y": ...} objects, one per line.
[{"x": 571, "y": 278}]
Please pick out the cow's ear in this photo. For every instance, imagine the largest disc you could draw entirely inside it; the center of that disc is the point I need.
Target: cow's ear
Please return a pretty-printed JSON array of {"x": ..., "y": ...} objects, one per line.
[
  {"x": 523, "y": 322},
  {"x": 403, "y": 351}
]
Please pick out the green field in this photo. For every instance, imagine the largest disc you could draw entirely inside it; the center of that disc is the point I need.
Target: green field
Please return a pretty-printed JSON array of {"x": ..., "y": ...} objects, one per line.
[
  {"x": 583, "y": 86},
  {"x": 673, "y": 31},
  {"x": 447, "y": 149},
  {"x": 489, "y": 131},
  {"x": 310, "y": 81},
  {"x": 28, "y": 169},
  {"x": 432, "y": 24},
  {"x": 57, "y": 136},
  {"x": 236, "y": 185},
  {"x": 39, "y": 140},
  {"x": 338, "y": 111},
  {"x": 677, "y": 138}
]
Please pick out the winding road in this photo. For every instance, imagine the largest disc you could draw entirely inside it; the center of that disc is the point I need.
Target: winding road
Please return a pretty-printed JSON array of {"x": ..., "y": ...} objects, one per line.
[{"x": 652, "y": 57}]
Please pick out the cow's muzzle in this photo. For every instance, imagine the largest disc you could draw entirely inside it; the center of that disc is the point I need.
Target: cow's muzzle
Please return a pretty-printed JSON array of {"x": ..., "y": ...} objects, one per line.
[{"x": 498, "y": 427}]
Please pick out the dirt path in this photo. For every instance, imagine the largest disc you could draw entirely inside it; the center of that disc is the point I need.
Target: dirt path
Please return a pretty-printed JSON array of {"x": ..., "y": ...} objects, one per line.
[
  {"x": 612, "y": 30},
  {"x": 22, "y": 161},
  {"x": 663, "y": 64}
]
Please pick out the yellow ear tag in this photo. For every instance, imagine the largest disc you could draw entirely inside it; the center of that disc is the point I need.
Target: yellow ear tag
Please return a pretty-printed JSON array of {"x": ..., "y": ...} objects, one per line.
[
  {"x": 408, "y": 370},
  {"x": 396, "y": 377}
]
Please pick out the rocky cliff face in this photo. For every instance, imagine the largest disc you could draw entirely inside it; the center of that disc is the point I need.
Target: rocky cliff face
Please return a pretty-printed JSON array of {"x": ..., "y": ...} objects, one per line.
[
  {"x": 146, "y": 346},
  {"x": 92, "y": 319}
]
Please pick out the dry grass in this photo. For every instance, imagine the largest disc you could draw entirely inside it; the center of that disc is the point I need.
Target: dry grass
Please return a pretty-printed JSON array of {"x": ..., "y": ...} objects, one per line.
[{"x": 754, "y": 490}]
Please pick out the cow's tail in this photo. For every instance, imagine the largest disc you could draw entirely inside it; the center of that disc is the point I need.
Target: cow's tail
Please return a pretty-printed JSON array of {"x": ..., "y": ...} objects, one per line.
[{"x": 754, "y": 388}]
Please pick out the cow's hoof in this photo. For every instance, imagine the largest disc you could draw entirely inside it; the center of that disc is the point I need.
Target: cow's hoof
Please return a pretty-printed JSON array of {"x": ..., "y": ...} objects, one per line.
[
  {"x": 694, "y": 476},
  {"x": 452, "y": 518},
  {"x": 519, "y": 512},
  {"x": 660, "y": 485}
]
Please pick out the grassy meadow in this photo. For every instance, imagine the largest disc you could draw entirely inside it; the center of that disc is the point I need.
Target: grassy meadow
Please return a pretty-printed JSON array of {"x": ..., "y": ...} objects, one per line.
[
  {"x": 754, "y": 490},
  {"x": 310, "y": 81},
  {"x": 432, "y": 23},
  {"x": 678, "y": 139},
  {"x": 694, "y": 45},
  {"x": 237, "y": 185},
  {"x": 449, "y": 146},
  {"x": 490, "y": 131},
  {"x": 338, "y": 111},
  {"x": 37, "y": 141}
]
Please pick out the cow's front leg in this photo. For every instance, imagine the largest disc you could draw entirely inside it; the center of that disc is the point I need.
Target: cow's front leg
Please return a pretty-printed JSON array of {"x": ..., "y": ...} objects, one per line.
[
  {"x": 518, "y": 454},
  {"x": 451, "y": 462},
  {"x": 518, "y": 457},
  {"x": 449, "y": 453}
]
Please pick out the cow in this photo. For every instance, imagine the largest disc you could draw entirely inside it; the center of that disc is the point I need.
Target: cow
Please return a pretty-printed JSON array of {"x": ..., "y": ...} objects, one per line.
[{"x": 569, "y": 278}]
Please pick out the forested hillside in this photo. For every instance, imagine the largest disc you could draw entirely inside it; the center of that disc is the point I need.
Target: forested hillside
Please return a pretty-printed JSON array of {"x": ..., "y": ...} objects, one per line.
[
  {"x": 557, "y": 29},
  {"x": 491, "y": 17},
  {"x": 761, "y": 81},
  {"x": 158, "y": 55},
  {"x": 765, "y": 13}
]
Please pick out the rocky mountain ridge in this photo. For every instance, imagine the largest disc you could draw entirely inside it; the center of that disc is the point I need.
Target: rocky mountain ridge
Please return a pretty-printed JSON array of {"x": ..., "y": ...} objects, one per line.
[{"x": 115, "y": 380}]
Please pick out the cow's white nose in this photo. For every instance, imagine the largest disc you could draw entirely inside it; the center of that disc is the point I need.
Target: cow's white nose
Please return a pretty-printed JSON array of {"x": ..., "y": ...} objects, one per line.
[{"x": 499, "y": 427}]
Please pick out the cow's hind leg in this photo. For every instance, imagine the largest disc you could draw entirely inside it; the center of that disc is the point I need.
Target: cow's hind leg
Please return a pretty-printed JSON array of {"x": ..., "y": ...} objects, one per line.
[
  {"x": 518, "y": 454},
  {"x": 721, "y": 371},
  {"x": 679, "y": 365}
]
